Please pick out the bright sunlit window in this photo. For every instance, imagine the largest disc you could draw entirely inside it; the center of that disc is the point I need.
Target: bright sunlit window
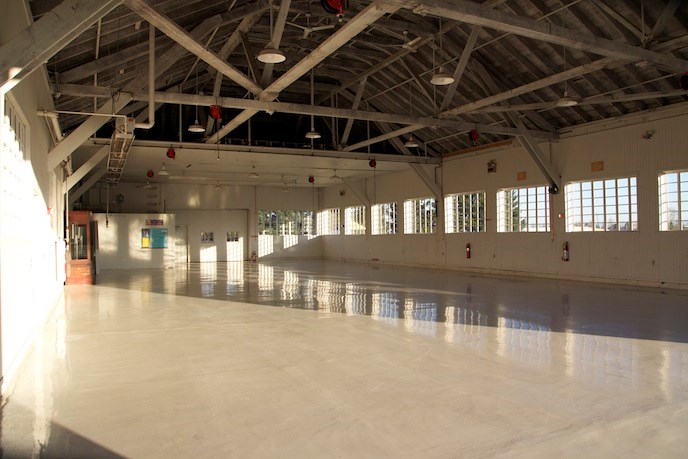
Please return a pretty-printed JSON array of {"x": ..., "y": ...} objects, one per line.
[
  {"x": 354, "y": 220},
  {"x": 328, "y": 222},
  {"x": 384, "y": 218},
  {"x": 673, "y": 201},
  {"x": 285, "y": 222},
  {"x": 420, "y": 216},
  {"x": 602, "y": 205},
  {"x": 464, "y": 212},
  {"x": 523, "y": 210}
]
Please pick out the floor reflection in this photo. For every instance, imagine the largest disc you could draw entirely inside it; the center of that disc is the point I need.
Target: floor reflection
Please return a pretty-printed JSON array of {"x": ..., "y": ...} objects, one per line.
[
  {"x": 419, "y": 297},
  {"x": 572, "y": 354}
]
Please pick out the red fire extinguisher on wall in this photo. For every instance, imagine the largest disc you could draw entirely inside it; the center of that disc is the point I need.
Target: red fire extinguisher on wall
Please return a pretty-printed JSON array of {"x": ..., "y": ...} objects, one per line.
[
  {"x": 565, "y": 249},
  {"x": 468, "y": 250}
]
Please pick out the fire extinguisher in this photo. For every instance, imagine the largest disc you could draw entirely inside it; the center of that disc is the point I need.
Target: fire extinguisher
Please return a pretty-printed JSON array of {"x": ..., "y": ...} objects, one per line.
[
  {"x": 468, "y": 250},
  {"x": 565, "y": 249}
]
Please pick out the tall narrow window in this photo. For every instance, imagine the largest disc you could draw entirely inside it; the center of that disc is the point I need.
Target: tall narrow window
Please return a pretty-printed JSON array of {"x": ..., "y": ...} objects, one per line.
[
  {"x": 328, "y": 222},
  {"x": 354, "y": 220},
  {"x": 673, "y": 201},
  {"x": 420, "y": 216},
  {"x": 602, "y": 205},
  {"x": 384, "y": 218},
  {"x": 465, "y": 212},
  {"x": 523, "y": 210}
]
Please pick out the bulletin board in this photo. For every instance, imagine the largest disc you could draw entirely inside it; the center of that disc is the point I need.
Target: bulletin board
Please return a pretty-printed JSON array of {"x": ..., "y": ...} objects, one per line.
[{"x": 154, "y": 238}]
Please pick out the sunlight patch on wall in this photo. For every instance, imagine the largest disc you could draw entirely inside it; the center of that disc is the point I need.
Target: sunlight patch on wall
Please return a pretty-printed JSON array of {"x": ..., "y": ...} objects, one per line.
[
  {"x": 208, "y": 254},
  {"x": 290, "y": 240},
  {"x": 235, "y": 250},
  {"x": 265, "y": 244}
]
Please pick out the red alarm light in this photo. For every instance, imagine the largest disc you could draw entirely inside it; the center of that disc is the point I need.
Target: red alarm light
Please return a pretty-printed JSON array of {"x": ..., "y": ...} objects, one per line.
[{"x": 215, "y": 112}]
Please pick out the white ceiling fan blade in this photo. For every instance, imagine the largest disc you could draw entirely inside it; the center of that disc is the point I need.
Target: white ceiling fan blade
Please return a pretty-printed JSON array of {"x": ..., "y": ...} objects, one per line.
[
  {"x": 324, "y": 27},
  {"x": 297, "y": 26}
]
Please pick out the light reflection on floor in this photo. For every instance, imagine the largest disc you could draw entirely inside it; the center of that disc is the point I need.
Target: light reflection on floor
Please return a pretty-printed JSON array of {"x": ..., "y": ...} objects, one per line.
[
  {"x": 315, "y": 358},
  {"x": 419, "y": 296}
]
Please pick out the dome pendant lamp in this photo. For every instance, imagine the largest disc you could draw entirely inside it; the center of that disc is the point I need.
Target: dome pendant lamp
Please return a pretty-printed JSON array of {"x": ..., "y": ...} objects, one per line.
[
  {"x": 440, "y": 78},
  {"x": 270, "y": 54},
  {"x": 196, "y": 127},
  {"x": 312, "y": 134},
  {"x": 565, "y": 100},
  {"x": 410, "y": 143}
]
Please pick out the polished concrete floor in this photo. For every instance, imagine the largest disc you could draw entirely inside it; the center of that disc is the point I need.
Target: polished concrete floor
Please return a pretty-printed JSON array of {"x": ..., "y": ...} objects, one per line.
[{"x": 325, "y": 359}]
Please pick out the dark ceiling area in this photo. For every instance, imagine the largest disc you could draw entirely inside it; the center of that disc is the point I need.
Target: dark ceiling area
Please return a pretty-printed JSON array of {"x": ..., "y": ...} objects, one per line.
[{"x": 535, "y": 66}]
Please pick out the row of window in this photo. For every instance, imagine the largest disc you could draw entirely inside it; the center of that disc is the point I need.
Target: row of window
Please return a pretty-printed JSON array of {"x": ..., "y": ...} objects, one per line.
[{"x": 597, "y": 205}]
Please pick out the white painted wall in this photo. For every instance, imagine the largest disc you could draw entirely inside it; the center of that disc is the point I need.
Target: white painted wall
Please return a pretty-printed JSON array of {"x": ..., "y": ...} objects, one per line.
[
  {"x": 31, "y": 227},
  {"x": 219, "y": 222},
  {"x": 119, "y": 242},
  {"x": 647, "y": 257},
  {"x": 219, "y": 209}
]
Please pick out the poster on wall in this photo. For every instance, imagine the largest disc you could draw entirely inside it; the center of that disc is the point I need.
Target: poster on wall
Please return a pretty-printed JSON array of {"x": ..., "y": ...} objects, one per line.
[
  {"x": 207, "y": 237},
  {"x": 154, "y": 238}
]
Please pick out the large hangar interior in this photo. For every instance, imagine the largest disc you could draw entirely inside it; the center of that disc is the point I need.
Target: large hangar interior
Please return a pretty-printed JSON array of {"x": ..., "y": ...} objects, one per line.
[{"x": 352, "y": 228}]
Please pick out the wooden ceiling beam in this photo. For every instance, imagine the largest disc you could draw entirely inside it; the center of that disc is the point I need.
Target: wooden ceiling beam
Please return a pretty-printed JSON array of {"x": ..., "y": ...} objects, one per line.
[{"x": 470, "y": 13}]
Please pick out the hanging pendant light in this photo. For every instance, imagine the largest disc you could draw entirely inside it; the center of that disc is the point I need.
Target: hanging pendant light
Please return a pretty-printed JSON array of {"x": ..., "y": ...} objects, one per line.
[
  {"x": 410, "y": 143},
  {"x": 565, "y": 100},
  {"x": 335, "y": 176},
  {"x": 440, "y": 78},
  {"x": 270, "y": 54},
  {"x": 162, "y": 172},
  {"x": 196, "y": 127},
  {"x": 312, "y": 134},
  {"x": 253, "y": 173}
]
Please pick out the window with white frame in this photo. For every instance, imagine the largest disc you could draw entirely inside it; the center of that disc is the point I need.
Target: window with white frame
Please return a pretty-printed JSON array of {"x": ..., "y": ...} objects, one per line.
[
  {"x": 384, "y": 218},
  {"x": 523, "y": 210},
  {"x": 673, "y": 201},
  {"x": 602, "y": 205},
  {"x": 464, "y": 212},
  {"x": 328, "y": 222},
  {"x": 19, "y": 125},
  {"x": 420, "y": 216},
  {"x": 285, "y": 222},
  {"x": 354, "y": 220}
]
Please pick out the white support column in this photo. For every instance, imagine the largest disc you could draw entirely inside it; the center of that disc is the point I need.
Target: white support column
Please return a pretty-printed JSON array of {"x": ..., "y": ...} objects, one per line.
[
  {"x": 85, "y": 168},
  {"x": 86, "y": 186},
  {"x": 354, "y": 106}
]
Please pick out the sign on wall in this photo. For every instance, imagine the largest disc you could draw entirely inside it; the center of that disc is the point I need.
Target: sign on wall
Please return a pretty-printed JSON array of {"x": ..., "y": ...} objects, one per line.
[
  {"x": 154, "y": 222},
  {"x": 154, "y": 238}
]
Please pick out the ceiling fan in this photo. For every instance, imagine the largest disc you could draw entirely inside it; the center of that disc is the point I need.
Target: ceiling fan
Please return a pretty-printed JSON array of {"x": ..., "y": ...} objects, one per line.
[{"x": 307, "y": 30}]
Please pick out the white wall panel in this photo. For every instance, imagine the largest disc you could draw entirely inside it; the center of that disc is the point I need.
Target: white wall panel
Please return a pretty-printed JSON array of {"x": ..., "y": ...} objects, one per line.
[
  {"x": 647, "y": 257},
  {"x": 31, "y": 226},
  {"x": 119, "y": 242},
  {"x": 219, "y": 222}
]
